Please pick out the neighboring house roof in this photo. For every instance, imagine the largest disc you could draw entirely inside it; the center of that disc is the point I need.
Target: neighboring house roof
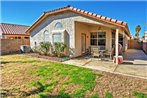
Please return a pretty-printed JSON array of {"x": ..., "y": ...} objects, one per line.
[
  {"x": 85, "y": 13},
  {"x": 13, "y": 29}
]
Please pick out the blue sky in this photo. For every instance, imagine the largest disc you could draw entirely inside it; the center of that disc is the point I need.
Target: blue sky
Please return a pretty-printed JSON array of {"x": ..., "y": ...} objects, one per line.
[{"x": 26, "y": 12}]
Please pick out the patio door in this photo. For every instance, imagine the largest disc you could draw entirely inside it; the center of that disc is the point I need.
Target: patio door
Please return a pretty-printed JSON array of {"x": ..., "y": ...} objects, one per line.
[{"x": 83, "y": 43}]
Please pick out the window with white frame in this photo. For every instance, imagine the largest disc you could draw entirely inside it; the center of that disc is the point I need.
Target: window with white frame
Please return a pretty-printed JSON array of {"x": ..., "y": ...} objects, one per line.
[
  {"x": 98, "y": 39},
  {"x": 57, "y": 37},
  {"x": 46, "y": 36}
]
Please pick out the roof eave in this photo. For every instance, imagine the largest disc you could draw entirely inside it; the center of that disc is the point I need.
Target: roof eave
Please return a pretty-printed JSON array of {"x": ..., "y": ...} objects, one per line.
[{"x": 35, "y": 23}]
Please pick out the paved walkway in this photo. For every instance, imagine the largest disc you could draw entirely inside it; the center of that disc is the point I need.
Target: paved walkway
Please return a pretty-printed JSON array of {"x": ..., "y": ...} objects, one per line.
[
  {"x": 135, "y": 64},
  {"x": 133, "y": 54}
]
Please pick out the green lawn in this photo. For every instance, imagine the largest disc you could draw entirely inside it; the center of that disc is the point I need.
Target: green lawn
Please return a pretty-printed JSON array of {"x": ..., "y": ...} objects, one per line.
[
  {"x": 25, "y": 76},
  {"x": 66, "y": 75}
]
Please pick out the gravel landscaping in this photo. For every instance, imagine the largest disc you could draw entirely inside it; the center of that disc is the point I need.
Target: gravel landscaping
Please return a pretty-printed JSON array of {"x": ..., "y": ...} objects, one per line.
[{"x": 31, "y": 77}]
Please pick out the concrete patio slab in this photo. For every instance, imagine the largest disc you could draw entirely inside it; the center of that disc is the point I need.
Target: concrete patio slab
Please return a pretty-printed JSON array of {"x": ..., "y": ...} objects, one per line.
[
  {"x": 135, "y": 64},
  {"x": 93, "y": 63},
  {"x": 102, "y": 65}
]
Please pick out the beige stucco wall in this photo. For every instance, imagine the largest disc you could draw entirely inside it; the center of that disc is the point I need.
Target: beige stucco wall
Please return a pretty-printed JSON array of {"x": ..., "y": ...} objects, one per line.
[
  {"x": 80, "y": 29},
  {"x": 73, "y": 29},
  {"x": 86, "y": 29}
]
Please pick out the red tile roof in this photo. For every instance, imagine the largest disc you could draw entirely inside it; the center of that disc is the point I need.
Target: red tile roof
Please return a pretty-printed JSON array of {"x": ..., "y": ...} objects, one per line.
[
  {"x": 12, "y": 29},
  {"x": 85, "y": 13}
]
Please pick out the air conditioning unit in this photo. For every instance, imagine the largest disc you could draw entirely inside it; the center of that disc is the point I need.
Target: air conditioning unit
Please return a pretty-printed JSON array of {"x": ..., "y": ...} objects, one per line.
[{"x": 25, "y": 48}]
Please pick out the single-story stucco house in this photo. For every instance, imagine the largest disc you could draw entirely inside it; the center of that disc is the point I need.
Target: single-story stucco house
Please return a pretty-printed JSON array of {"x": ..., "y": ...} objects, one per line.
[
  {"x": 79, "y": 29},
  {"x": 13, "y": 31}
]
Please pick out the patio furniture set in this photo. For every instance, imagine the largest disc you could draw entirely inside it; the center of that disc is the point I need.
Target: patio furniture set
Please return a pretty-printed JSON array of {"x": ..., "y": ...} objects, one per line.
[{"x": 100, "y": 52}]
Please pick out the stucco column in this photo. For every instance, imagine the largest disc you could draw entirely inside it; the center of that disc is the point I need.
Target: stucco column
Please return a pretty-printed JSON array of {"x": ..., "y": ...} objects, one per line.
[{"x": 116, "y": 45}]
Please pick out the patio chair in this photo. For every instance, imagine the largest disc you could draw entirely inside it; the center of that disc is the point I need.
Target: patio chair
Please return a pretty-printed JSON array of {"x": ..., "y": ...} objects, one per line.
[
  {"x": 108, "y": 54},
  {"x": 95, "y": 51}
]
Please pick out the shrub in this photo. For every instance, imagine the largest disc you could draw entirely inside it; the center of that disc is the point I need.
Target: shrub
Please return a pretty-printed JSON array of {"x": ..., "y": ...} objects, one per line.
[
  {"x": 36, "y": 49},
  {"x": 45, "y": 48},
  {"x": 59, "y": 49}
]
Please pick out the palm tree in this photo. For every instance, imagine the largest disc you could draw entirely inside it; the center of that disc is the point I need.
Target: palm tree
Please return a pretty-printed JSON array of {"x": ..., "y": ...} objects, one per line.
[{"x": 137, "y": 30}]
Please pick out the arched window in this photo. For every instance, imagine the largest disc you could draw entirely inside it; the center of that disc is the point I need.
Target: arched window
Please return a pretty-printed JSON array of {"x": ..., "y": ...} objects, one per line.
[
  {"x": 58, "y": 25},
  {"x": 46, "y": 36}
]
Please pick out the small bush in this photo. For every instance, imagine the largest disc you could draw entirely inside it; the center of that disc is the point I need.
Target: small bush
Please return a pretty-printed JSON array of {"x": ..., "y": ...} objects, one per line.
[
  {"x": 59, "y": 49},
  {"x": 44, "y": 48},
  {"x": 36, "y": 49}
]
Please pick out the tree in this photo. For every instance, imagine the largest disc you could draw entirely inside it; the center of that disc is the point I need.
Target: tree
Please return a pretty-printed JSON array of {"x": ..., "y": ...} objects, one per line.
[{"x": 137, "y": 30}]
